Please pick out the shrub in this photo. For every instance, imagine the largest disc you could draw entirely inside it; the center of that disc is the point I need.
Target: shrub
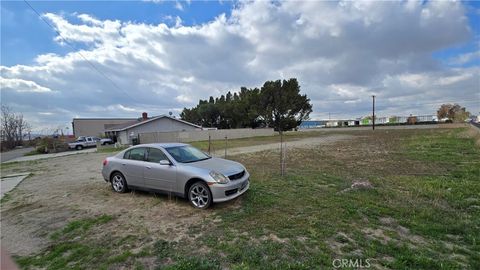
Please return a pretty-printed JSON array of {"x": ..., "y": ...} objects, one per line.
[{"x": 50, "y": 145}]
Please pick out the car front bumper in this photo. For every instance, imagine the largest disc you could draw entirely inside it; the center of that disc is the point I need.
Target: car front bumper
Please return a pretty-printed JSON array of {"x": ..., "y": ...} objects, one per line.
[{"x": 226, "y": 192}]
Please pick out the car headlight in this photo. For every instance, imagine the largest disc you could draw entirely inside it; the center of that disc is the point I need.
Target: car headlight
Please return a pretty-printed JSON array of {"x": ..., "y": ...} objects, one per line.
[{"x": 218, "y": 177}]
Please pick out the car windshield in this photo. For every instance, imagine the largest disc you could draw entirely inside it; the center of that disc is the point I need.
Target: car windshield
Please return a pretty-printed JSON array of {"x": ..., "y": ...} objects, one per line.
[{"x": 186, "y": 154}]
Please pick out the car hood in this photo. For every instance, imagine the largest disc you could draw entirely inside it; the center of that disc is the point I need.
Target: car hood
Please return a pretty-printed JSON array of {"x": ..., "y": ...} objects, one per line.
[{"x": 223, "y": 166}]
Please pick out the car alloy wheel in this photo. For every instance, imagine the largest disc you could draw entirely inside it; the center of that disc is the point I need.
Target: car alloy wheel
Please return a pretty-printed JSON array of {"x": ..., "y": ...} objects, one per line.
[
  {"x": 199, "y": 195},
  {"x": 118, "y": 183}
]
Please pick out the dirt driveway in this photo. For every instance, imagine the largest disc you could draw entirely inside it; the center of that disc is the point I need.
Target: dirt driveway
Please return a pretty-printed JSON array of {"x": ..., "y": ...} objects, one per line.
[
  {"x": 68, "y": 188},
  {"x": 306, "y": 142}
]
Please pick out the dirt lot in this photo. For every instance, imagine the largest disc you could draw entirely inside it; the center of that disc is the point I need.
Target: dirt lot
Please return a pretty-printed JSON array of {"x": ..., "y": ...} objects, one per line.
[
  {"x": 64, "y": 189},
  {"x": 406, "y": 198},
  {"x": 68, "y": 188}
]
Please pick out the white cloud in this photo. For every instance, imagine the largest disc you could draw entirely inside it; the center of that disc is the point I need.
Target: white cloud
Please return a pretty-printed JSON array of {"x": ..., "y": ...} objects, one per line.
[
  {"x": 466, "y": 58},
  {"x": 90, "y": 20},
  {"x": 22, "y": 86},
  {"x": 341, "y": 52},
  {"x": 184, "y": 99},
  {"x": 178, "y": 5}
]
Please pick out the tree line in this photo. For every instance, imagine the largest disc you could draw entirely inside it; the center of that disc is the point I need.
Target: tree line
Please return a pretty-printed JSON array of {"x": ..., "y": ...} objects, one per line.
[
  {"x": 453, "y": 112},
  {"x": 277, "y": 104}
]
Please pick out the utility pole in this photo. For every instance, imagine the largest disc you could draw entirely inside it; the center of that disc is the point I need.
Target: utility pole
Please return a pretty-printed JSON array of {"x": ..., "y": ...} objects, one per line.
[{"x": 373, "y": 115}]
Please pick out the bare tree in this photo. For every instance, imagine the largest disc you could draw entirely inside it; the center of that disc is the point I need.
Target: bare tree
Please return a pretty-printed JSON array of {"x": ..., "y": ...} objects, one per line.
[{"x": 13, "y": 126}]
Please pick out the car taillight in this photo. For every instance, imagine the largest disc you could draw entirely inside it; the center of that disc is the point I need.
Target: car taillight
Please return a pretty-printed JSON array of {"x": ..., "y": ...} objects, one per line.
[{"x": 105, "y": 162}]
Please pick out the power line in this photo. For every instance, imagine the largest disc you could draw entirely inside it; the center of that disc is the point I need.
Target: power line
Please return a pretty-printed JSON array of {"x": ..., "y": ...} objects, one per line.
[{"x": 79, "y": 53}]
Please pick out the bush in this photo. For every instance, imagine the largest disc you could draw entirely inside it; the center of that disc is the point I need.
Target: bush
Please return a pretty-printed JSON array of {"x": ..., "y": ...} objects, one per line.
[{"x": 50, "y": 145}]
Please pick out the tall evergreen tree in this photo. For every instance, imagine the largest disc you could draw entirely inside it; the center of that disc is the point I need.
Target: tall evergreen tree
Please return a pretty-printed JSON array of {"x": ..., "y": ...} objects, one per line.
[
  {"x": 278, "y": 103},
  {"x": 283, "y": 106}
]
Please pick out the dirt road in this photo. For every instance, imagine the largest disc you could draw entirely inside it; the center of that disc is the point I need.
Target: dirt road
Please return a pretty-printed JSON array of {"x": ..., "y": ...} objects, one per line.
[{"x": 306, "y": 142}]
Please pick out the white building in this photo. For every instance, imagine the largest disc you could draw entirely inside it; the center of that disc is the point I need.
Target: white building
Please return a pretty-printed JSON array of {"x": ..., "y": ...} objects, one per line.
[{"x": 427, "y": 118}]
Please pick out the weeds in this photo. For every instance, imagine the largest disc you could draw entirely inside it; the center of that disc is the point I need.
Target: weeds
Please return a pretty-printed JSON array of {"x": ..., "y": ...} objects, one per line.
[{"x": 422, "y": 212}]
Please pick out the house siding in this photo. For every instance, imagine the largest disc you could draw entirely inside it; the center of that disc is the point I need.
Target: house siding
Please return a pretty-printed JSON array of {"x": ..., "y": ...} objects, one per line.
[
  {"x": 94, "y": 127},
  {"x": 160, "y": 125}
]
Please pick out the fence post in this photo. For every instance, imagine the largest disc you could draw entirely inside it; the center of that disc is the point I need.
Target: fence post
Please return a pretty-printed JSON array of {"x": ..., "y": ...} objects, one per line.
[
  {"x": 281, "y": 153},
  {"x": 209, "y": 142},
  {"x": 226, "y": 141},
  {"x": 284, "y": 158}
]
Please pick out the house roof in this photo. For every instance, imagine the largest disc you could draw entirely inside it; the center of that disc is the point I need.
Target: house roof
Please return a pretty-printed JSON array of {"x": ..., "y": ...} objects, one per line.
[
  {"x": 132, "y": 124},
  {"x": 103, "y": 118}
]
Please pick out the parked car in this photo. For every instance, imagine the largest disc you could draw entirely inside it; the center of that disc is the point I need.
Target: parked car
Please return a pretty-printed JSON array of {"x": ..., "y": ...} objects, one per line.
[
  {"x": 179, "y": 169},
  {"x": 83, "y": 142},
  {"x": 105, "y": 141}
]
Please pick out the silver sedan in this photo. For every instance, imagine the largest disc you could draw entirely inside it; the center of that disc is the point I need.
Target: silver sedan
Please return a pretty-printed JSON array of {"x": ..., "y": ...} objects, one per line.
[{"x": 179, "y": 169}]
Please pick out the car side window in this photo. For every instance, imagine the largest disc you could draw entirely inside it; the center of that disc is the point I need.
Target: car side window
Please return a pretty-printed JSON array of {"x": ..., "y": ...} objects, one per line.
[
  {"x": 126, "y": 155},
  {"x": 137, "y": 154},
  {"x": 155, "y": 155}
]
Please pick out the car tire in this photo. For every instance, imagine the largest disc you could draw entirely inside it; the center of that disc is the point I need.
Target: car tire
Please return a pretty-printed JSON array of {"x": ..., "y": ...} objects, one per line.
[
  {"x": 118, "y": 182},
  {"x": 79, "y": 147},
  {"x": 199, "y": 195}
]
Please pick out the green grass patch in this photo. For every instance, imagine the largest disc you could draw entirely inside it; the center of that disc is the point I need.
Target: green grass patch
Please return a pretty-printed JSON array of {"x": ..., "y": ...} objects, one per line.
[
  {"x": 80, "y": 227},
  {"x": 70, "y": 249},
  {"x": 5, "y": 198},
  {"x": 33, "y": 153},
  {"x": 298, "y": 221}
]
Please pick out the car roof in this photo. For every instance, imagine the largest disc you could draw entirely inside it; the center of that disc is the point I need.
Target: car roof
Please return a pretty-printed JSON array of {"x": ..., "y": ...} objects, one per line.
[{"x": 163, "y": 145}]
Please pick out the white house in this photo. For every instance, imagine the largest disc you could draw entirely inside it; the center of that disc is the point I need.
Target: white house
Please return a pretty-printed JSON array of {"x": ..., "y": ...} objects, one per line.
[{"x": 127, "y": 132}]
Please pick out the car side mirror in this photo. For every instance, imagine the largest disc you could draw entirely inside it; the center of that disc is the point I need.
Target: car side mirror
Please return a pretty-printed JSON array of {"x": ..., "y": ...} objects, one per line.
[{"x": 164, "y": 162}]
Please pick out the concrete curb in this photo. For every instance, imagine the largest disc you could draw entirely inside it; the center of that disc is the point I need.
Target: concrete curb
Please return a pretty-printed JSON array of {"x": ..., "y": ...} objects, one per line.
[{"x": 9, "y": 182}]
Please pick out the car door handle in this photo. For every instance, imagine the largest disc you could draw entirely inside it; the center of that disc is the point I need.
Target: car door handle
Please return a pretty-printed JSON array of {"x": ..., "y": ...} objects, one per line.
[
  {"x": 148, "y": 167},
  {"x": 124, "y": 164}
]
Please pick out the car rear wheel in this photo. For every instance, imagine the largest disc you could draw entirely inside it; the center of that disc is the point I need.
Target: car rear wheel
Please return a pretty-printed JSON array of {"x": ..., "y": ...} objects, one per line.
[
  {"x": 118, "y": 183},
  {"x": 79, "y": 147},
  {"x": 199, "y": 195}
]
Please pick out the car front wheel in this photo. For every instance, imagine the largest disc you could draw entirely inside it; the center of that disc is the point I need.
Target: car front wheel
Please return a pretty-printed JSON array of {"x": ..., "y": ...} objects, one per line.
[
  {"x": 79, "y": 147},
  {"x": 199, "y": 195},
  {"x": 118, "y": 183}
]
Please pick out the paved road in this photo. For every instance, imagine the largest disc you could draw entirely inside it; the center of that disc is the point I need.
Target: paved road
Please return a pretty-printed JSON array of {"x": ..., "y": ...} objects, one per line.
[
  {"x": 61, "y": 154},
  {"x": 16, "y": 153}
]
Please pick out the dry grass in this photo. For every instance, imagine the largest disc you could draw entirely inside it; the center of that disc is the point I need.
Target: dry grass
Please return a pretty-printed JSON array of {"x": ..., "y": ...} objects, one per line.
[{"x": 422, "y": 212}]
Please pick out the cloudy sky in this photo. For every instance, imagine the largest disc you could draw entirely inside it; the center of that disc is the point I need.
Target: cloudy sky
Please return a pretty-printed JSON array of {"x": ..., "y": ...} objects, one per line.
[{"x": 118, "y": 59}]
